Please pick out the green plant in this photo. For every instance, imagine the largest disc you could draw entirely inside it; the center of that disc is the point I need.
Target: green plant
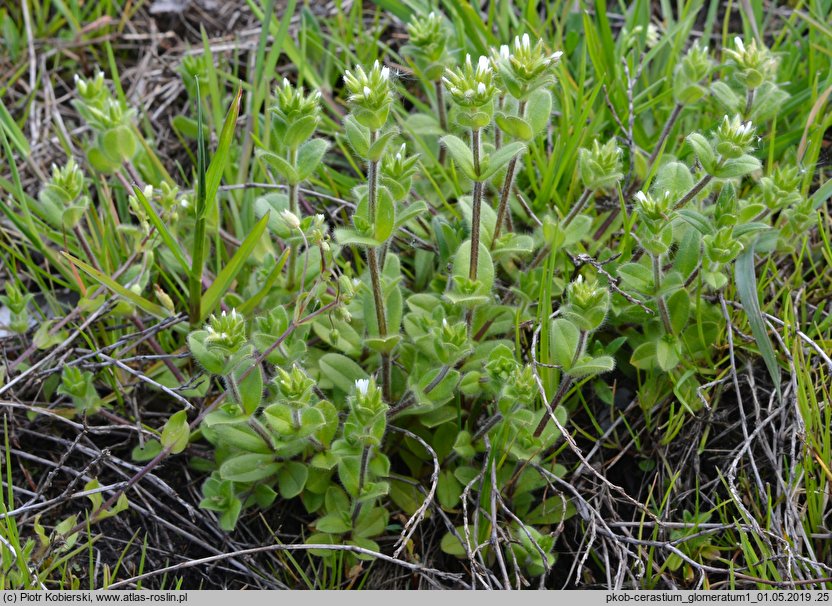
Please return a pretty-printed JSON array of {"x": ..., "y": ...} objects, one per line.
[{"x": 598, "y": 309}]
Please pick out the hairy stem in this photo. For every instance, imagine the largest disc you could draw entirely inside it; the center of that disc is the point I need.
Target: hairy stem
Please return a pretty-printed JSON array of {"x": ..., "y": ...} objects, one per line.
[
  {"x": 511, "y": 171},
  {"x": 295, "y": 210},
  {"x": 375, "y": 274},
  {"x": 699, "y": 186},
  {"x": 578, "y": 207},
  {"x": 660, "y": 302},
  {"x": 749, "y": 101},
  {"x": 475, "y": 209},
  {"x": 365, "y": 462},
  {"x": 443, "y": 118},
  {"x": 565, "y": 385}
]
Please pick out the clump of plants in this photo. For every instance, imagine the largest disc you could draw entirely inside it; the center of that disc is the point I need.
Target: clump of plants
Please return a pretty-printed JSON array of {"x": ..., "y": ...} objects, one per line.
[{"x": 418, "y": 305}]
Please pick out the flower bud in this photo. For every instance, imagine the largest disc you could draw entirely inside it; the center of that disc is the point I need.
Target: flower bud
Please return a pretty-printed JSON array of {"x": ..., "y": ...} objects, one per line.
[
  {"x": 588, "y": 303},
  {"x": 370, "y": 95},
  {"x": 428, "y": 37},
  {"x": 781, "y": 189},
  {"x": 295, "y": 385},
  {"x": 525, "y": 68},
  {"x": 694, "y": 67},
  {"x": 734, "y": 137},
  {"x": 296, "y": 114},
  {"x": 600, "y": 166},
  {"x": 755, "y": 63},
  {"x": 226, "y": 333},
  {"x": 721, "y": 247},
  {"x": 471, "y": 86}
]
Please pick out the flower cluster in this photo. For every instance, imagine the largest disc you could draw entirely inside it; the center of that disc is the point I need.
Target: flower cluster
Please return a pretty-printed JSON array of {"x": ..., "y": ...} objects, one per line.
[
  {"x": 226, "y": 332},
  {"x": 755, "y": 63},
  {"x": 691, "y": 71},
  {"x": 471, "y": 86},
  {"x": 370, "y": 94},
  {"x": 600, "y": 166},
  {"x": 525, "y": 68},
  {"x": 734, "y": 137},
  {"x": 296, "y": 112}
]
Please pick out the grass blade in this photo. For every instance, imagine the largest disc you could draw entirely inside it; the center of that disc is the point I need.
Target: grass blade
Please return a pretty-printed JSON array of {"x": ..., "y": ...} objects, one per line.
[
  {"x": 213, "y": 175},
  {"x": 198, "y": 254},
  {"x": 223, "y": 281},
  {"x": 107, "y": 282},
  {"x": 162, "y": 229},
  {"x": 747, "y": 292}
]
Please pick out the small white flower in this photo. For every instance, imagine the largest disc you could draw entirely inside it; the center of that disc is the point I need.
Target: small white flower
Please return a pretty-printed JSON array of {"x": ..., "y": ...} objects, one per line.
[
  {"x": 362, "y": 385},
  {"x": 469, "y": 92},
  {"x": 431, "y": 15},
  {"x": 483, "y": 66},
  {"x": 505, "y": 51},
  {"x": 641, "y": 197},
  {"x": 320, "y": 218},
  {"x": 286, "y": 82},
  {"x": 367, "y": 91},
  {"x": 481, "y": 88},
  {"x": 290, "y": 218},
  {"x": 555, "y": 57},
  {"x": 385, "y": 72},
  {"x": 527, "y": 44},
  {"x": 740, "y": 46}
]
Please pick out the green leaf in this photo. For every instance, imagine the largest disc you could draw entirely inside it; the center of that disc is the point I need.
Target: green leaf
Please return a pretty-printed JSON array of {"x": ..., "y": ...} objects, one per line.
[
  {"x": 514, "y": 126},
  {"x": 564, "y": 340},
  {"x": 410, "y": 212},
  {"x": 249, "y": 468},
  {"x": 697, "y": 220},
  {"x": 334, "y": 523},
  {"x": 738, "y": 167},
  {"x": 222, "y": 156},
  {"x": 385, "y": 219},
  {"x": 15, "y": 135},
  {"x": 539, "y": 110},
  {"x": 667, "y": 352},
  {"x": 358, "y": 136},
  {"x": 162, "y": 229},
  {"x": 241, "y": 437},
  {"x": 310, "y": 155},
  {"x": 219, "y": 287},
  {"x": 726, "y": 96},
  {"x": 500, "y": 158},
  {"x": 281, "y": 165},
  {"x": 250, "y": 388},
  {"x": 137, "y": 300},
  {"x": 147, "y": 452},
  {"x": 371, "y": 522},
  {"x": 448, "y": 490},
  {"x": 176, "y": 432},
  {"x": 341, "y": 371},
  {"x": 461, "y": 154},
  {"x": 452, "y": 545},
  {"x": 747, "y": 291},
  {"x": 591, "y": 367},
  {"x": 291, "y": 479},
  {"x": 678, "y": 307},
  {"x": 703, "y": 150},
  {"x": 350, "y": 237},
  {"x": 376, "y": 150}
]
